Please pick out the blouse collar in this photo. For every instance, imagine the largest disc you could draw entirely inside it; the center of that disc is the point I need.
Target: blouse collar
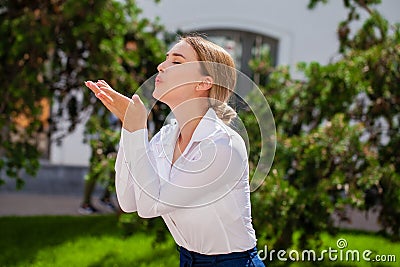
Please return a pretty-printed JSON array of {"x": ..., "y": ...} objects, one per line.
[{"x": 209, "y": 125}]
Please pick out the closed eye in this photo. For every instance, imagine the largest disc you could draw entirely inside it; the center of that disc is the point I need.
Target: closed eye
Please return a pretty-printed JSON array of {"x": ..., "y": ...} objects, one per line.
[{"x": 176, "y": 62}]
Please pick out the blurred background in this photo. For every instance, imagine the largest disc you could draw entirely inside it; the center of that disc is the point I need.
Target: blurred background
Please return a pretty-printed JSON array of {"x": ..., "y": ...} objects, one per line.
[{"x": 330, "y": 71}]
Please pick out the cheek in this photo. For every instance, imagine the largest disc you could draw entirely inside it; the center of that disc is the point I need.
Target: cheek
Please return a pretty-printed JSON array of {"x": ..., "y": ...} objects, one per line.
[
  {"x": 175, "y": 84},
  {"x": 173, "y": 94},
  {"x": 163, "y": 91},
  {"x": 182, "y": 75}
]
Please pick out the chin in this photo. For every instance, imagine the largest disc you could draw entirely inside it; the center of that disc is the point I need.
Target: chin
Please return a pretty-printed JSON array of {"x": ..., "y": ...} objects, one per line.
[{"x": 155, "y": 94}]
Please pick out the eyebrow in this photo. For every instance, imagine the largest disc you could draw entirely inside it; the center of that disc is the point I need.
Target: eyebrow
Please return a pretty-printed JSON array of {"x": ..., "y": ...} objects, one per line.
[{"x": 176, "y": 55}]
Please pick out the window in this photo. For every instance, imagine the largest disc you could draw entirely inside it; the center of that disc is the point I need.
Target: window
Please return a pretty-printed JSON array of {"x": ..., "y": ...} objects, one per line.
[{"x": 244, "y": 46}]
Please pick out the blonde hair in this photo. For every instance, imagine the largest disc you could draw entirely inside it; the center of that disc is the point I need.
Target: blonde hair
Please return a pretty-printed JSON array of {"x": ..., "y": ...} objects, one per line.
[{"x": 223, "y": 74}]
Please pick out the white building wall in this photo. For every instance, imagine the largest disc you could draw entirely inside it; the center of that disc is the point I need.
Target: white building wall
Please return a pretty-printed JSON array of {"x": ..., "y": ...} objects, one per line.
[
  {"x": 304, "y": 35},
  {"x": 72, "y": 150}
]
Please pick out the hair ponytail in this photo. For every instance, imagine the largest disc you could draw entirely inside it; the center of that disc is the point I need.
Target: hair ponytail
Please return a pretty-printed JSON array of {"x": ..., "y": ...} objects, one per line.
[{"x": 225, "y": 112}]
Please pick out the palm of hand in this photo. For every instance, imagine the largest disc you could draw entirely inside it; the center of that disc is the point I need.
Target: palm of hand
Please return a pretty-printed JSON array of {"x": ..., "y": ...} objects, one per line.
[{"x": 131, "y": 112}]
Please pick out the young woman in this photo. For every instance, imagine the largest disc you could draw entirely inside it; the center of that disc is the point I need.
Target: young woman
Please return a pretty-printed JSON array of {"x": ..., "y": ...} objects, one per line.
[{"x": 194, "y": 172}]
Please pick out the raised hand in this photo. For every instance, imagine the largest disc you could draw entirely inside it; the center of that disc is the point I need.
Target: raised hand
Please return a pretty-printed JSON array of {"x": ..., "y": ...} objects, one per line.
[{"x": 131, "y": 112}]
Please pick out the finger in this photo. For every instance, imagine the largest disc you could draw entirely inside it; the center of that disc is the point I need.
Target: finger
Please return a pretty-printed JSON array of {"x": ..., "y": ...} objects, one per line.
[
  {"x": 107, "y": 101},
  {"x": 111, "y": 92},
  {"x": 102, "y": 83},
  {"x": 92, "y": 86},
  {"x": 103, "y": 96},
  {"x": 109, "y": 104},
  {"x": 108, "y": 89},
  {"x": 136, "y": 99}
]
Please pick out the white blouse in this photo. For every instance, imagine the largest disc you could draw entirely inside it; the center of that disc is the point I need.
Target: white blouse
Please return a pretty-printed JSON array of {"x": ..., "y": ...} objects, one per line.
[{"x": 204, "y": 197}]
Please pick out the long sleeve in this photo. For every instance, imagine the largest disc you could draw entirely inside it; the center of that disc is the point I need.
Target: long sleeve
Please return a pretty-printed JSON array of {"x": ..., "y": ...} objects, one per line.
[
  {"x": 124, "y": 183},
  {"x": 219, "y": 166}
]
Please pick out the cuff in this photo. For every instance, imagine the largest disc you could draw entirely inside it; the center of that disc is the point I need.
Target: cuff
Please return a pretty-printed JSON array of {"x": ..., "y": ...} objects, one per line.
[{"x": 134, "y": 143}]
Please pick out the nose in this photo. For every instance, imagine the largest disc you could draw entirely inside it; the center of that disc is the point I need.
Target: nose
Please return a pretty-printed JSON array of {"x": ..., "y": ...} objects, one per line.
[{"x": 161, "y": 67}]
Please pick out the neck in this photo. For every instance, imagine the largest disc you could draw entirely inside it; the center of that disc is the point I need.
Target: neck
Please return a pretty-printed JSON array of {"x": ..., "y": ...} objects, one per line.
[{"x": 188, "y": 116}]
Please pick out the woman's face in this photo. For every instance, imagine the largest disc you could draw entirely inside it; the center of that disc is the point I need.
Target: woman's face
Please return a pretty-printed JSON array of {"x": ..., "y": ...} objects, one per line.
[{"x": 178, "y": 75}]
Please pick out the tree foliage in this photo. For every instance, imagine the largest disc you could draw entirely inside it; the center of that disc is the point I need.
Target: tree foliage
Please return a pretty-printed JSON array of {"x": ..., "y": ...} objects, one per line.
[
  {"x": 337, "y": 137},
  {"x": 48, "y": 50}
]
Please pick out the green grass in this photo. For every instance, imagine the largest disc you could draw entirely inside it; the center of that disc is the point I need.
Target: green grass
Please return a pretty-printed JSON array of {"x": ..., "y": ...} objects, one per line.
[
  {"x": 98, "y": 241},
  {"x": 356, "y": 242},
  {"x": 360, "y": 241},
  {"x": 78, "y": 241}
]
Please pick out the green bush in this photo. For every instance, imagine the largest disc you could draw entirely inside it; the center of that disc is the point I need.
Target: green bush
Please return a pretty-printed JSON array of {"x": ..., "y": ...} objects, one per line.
[{"x": 337, "y": 133}]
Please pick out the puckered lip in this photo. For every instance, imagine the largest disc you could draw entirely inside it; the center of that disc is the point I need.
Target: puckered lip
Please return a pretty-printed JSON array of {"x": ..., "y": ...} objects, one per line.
[{"x": 158, "y": 79}]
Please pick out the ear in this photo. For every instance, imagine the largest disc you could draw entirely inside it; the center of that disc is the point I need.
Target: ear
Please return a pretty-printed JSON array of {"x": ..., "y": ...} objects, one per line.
[{"x": 206, "y": 84}]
